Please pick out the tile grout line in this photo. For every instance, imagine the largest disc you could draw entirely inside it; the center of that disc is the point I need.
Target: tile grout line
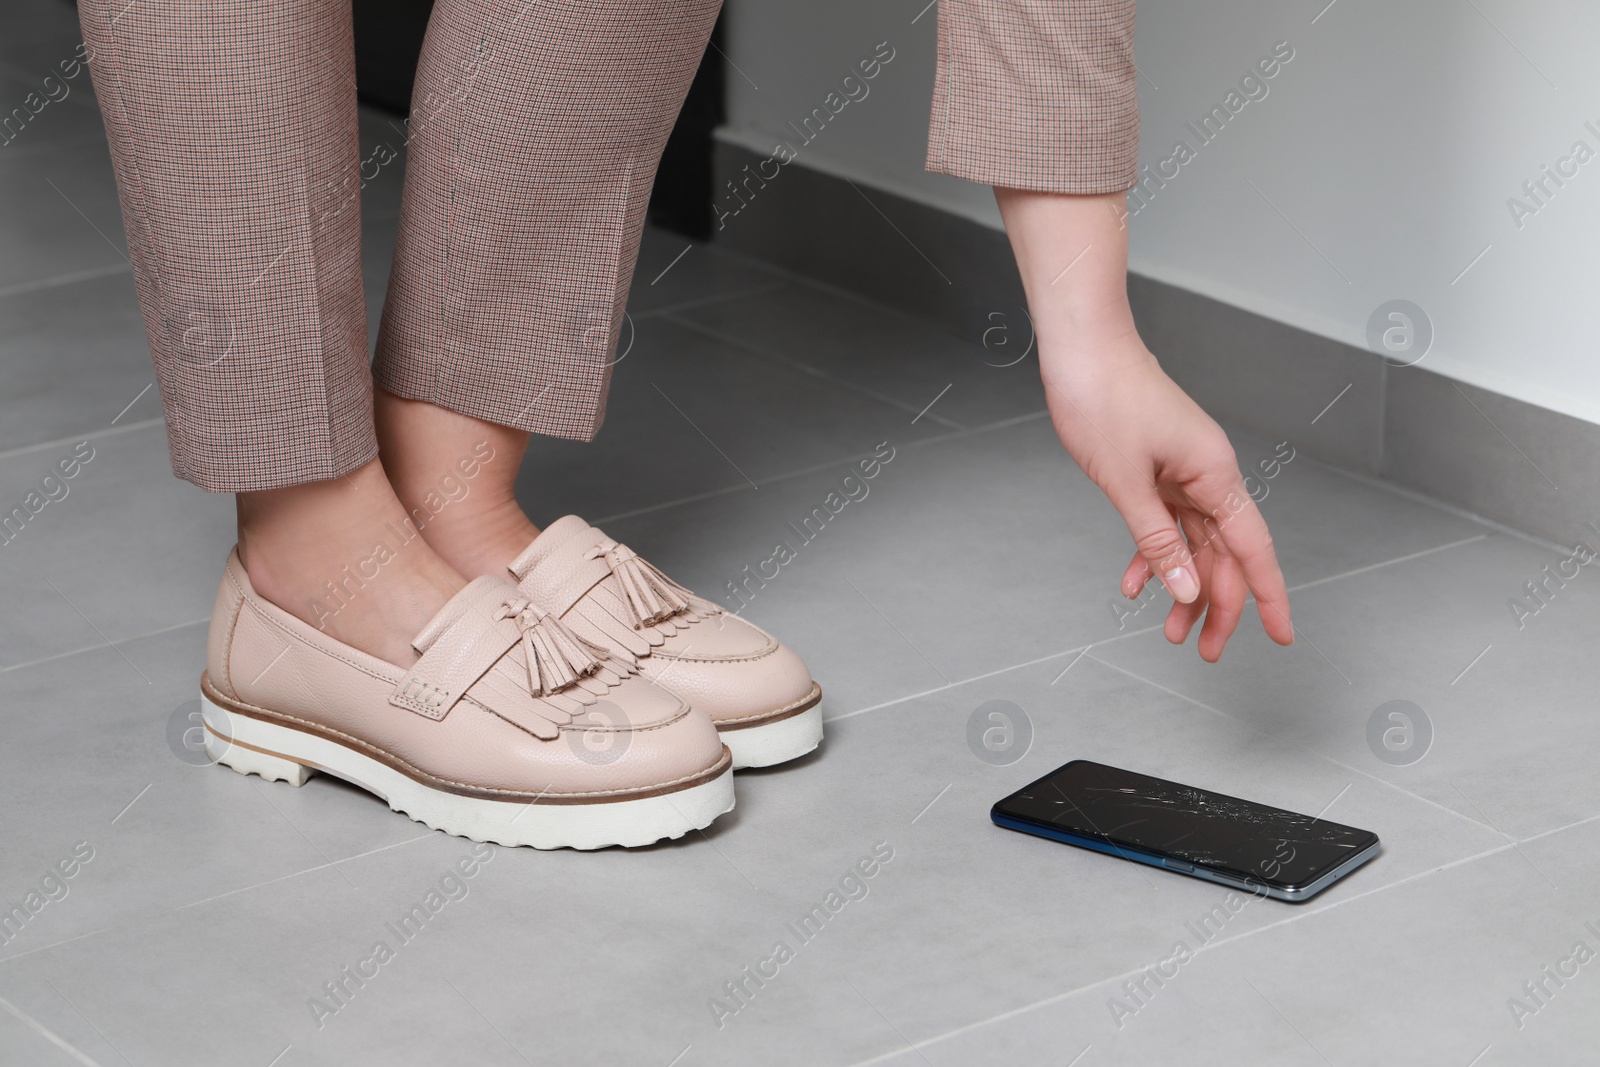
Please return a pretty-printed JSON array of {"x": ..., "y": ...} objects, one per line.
[
  {"x": 92, "y": 435},
  {"x": 804, "y": 368},
  {"x": 1298, "y": 917},
  {"x": 786, "y": 476},
  {"x": 59, "y": 280},
  {"x": 708, "y": 301},
  {"x": 1134, "y": 633},
  {"x": 134, "y": 920},
  {"x": 47, "y": 1034},
  {"x": 1388, "y": 563},
  {"x": 1294, "y": 744},
  {"x": 66, "y": 144},
  {"x": 954, "y": 435},
  {"x": 104, "y": 644},
  {"x": 1547, "y": 833},
  {"x": 1081, "y": 649},
  {"x": 808, "y": 281},
  {"x": 1416, "y": 497}
]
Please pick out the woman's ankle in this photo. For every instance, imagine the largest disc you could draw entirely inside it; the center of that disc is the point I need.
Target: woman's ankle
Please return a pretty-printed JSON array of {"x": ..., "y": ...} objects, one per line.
[
  {"x": 483, "y": 539},
  {"x": 455, "y": 476},
  {"x": 340, "y": 556}
]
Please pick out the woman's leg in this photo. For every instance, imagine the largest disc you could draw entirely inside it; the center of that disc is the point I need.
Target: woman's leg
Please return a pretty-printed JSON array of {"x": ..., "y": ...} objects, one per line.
[
  {"x": 339, "y": 555},
  {"x": 233, "y": 122},
  {"x": 535, "y": 134},
  {"x": 457, "y": 475},
  {"x": 533, "y": 143},
  {"x": 233, "y": 133},
  {"x": 232, "y": 127}
]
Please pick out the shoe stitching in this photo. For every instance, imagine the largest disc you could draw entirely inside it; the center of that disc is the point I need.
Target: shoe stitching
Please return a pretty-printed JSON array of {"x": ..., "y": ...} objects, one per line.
[
  {"x": 656, "y": 650},
  {"x": 233, "y": 626},
  {"x": 719, "y": 659},
  {"x": 465, "y": 785},
  {"x": 683, "y": 709},
  {"x": 814, "y": 694},
  {"x": 330, "y": 653}
]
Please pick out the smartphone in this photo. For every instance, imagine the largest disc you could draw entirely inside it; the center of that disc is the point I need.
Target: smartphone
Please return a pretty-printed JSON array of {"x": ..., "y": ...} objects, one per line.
[{"x": 1223, "y": 839}]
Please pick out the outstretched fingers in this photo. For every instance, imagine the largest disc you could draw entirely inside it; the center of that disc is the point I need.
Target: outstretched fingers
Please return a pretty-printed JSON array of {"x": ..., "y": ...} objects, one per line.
[
  {"x": 1243, "y": 533},
  {"x": 1135, "y": 577},
  {"x": 1158, "y": 540},
  {"x": 1211, "y": 553}
]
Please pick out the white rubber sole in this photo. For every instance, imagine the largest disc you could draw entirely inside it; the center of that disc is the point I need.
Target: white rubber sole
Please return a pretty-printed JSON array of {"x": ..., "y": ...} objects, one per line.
[
  {"x": 282, "y": 754},
  {"x": 775, "y": 742}
]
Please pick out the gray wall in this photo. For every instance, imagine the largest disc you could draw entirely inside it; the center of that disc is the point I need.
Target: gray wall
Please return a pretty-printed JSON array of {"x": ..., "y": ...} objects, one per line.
[{"x": 1378, "y": 164}]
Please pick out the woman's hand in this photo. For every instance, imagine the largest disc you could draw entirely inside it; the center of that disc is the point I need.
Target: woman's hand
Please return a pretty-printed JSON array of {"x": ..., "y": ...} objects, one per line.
[
  {"x": 1164, "y": 464},
  {"x": 1169, "y": 470}
]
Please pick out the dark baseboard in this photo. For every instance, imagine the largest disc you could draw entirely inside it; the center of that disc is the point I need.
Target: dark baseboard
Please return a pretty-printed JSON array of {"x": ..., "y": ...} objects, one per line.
[
  {"x": 388, "y": 40},
  {"x": 912, "y": 257},
  {"x": 679, "y": 200},
  {"x": 1420, "y": 430}
]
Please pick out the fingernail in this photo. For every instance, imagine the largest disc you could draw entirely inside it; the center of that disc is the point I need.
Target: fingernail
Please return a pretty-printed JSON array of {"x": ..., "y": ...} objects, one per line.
[{"x": 1181, "y": 583}]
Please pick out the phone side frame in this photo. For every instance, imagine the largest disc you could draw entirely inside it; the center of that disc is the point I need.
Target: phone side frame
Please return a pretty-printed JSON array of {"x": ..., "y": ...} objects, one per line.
[{"x": 1291, "y": 894}]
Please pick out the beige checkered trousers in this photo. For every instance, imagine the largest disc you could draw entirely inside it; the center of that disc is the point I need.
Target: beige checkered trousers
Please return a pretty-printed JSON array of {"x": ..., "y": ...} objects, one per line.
[
  {"x": 1036, "y": 94},
  {"x": 535, "y": 132}
]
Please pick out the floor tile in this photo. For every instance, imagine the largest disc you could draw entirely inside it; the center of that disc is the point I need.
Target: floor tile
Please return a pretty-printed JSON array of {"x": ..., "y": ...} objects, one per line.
[
  {"x": 59, "y": 109},
  {"x": 924, "y": 369},
  {"x": 689, "y": 415},
  {"x": 253, "y": 961},
  {"x": 378, "y": 235},
  {"x": 1034, "y": 918},
  {"x": 673, "y": 924},
  {"x": 94, "y": 754},
  {"x": 126, "y": 550},
  {"x": 1325, "y": 523},
  {"x": 383, "y": 163},
  {"x": 1422, "y": 972},
  {"x": 975, "y": 553},
  {"x": 673, "y": 270},
  {"x": 75, "y": 356},
  {"x": 59, "y": 213},
  {"x": 1511, "y": 717}
]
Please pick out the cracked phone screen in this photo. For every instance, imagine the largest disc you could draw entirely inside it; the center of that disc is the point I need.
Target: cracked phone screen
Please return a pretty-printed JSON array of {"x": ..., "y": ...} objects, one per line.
[{"x": 1197, "y": 826}]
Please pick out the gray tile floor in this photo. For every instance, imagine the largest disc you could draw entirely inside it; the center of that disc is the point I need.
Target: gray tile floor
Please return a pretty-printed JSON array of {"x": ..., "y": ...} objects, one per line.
[{"x": 978, "y": 568}]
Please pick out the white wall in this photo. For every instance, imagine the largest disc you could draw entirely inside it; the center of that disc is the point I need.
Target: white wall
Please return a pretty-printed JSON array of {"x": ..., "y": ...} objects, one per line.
[{"x": 1391, "y": 142}]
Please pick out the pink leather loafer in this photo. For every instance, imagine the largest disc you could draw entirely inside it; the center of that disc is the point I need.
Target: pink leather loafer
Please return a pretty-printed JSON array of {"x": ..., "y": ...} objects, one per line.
[
  {"x": 757, "y": 692},
  {"x": 510, "y": 728}
]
